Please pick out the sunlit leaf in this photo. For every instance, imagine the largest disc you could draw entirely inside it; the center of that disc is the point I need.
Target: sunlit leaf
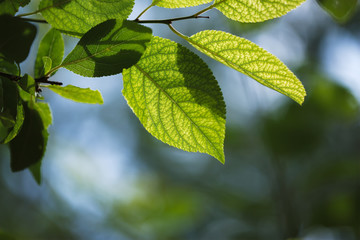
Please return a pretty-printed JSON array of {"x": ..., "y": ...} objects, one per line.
[
  {"x": 82, "y": 95},
  {"x": 27, "y": 83},
  {"x": 76, "y": 17},
  {"x": 179, "y": 4},
  {"x": 108, "y": 48},
  {"x": 339, "y": 9},
  {"x": 255, "y": 10},
  {"x": 16, "y": 37},
  {"x": 250, "y": 59},
  {"x": 177, "y": 99},
  {"x": 47, "y": 62},
  {"x": 51, "y": 46}
]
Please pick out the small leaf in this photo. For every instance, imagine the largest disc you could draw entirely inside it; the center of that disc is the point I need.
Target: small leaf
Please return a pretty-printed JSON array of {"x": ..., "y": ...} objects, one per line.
[
  {"x": 179, "y": 4},
  {"x": 28, "y": 147},
  {"x": 8, "y": 66},
  {"x": 16, "y": 38},
  {"x": 11, "y": 6},
  {"x": 250, "y": 59},
  {"x": 108, "y": 48},
  {"x": 76, "y": 17},
  {"x": 51, "y": 46},
  {"x": 47, "y": 64},
  {"x": 340, "y": 10},
  {"x": 255, "y": 10},
  {"x": 82, "y": 95},
  {"x": 18, "y": 123},
  {"x": 177, "y": 99}
]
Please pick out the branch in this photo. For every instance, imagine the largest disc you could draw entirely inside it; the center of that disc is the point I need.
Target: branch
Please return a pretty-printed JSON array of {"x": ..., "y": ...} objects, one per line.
[
  {"x": 170, "y": 20},
  {"x": 9, "y": 76}
]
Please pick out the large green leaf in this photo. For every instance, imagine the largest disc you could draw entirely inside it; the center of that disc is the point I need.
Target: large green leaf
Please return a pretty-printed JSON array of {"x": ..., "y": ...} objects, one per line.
[
  {"x": 250, "y": 59},
  {"x": 16, "y": 38},
  {"x": 179, "y": 4},
  {"x": 339, "y": 9},
  {"x": 28, "y": 147},
  {"x": 177, "y": 99},
  {"x": 108, "y": 48},
  {"x": 51, "y": 46},
  {"x": 11, "y": 6},
  {"x": 82, "y": 95},
  {"x": 255, "y": 10},
  {"x": 76, "y": 17}
]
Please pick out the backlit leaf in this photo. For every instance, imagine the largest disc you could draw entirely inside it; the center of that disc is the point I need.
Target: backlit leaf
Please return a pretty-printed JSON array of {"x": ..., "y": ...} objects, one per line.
[
  {"x": 108, "y": 48},
  {"x": 16, "y": 38},
  {"x": 255, "y": 10},
  {"x": 51, "y": 46},
  {"x": 76, "y": 17},
  {"x": 179, "y": 4},
  {"x": 82, "y": 95},
  {"x": 177, "y": 99},
  {"x": 250, "y": 59}
]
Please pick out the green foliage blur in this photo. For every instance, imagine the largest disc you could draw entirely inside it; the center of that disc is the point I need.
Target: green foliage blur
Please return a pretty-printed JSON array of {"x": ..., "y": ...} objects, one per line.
[{"x": 291, "y": 173}]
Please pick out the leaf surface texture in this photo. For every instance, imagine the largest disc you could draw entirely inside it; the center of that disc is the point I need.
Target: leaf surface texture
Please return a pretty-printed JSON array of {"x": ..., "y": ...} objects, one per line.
[
  {"x": 250, "y": 59},
  {"x": 177, "y": 99}
]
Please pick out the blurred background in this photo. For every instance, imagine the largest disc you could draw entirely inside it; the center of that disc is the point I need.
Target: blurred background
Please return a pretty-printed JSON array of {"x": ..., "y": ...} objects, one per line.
[{"x": 291, "y": 172}]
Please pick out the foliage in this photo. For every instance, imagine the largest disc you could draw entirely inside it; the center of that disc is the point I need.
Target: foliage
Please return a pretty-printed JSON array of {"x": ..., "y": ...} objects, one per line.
[{"x": 170, "y": 89}]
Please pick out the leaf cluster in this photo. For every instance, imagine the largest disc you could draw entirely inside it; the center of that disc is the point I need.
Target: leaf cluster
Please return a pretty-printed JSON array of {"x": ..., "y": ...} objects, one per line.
[{"x": 170, "y": 89}]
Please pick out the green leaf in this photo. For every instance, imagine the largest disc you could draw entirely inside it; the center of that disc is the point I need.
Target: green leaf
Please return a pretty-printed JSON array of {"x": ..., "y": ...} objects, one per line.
[
  {"x": 250, "y": 59},
  {"x": 108, "y": 48},
  {"x": 255, "y": 10},
  {"x": 76, "y": 17},
  {"x": 11, "y": 6},
  {"x": 340, "y": 10},
  {"x": 16, "y": 38},
  {"x": 177, "y": 99},
  {"x": 82, "y": 95},
  {"x": 47, "y": 62},
  {"x": 179, "y": 4},
  {"x": 36, "y": 172},
  {"x": 28, "y": 147},
  {"x": 11, "y": 113},
  {"x": 8, "y": 66},
  {"x": 27, "y": 83},
  {"x": 51, "y": 46}
]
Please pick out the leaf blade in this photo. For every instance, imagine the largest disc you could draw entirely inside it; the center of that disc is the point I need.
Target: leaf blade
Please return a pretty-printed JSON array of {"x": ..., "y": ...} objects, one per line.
[
  {"x": 108, "y": 48},
  {"x": 77, "y": 94},
  {"x": 177, "y": 99},
  {"x": 250, "y": 59},
  {"x": 257, "y": 10},
  {"x": 51, "y": 46}
]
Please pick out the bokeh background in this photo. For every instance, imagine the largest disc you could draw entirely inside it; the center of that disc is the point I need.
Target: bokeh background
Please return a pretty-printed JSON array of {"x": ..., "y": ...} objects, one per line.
[{"x": 291, "y": 172}]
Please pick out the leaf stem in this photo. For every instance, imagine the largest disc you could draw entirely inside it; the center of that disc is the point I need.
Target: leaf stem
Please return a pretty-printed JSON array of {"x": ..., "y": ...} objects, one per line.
[
  {"x": 178, "y": 33},
  {"x": 150, "y": 6}
]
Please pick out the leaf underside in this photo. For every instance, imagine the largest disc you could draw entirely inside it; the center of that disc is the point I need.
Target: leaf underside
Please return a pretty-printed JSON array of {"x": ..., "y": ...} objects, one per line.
[
  {"x": 82, "y": 95},
  {"x": 177, "y": 99},
  {"x": 250, "y": 59},
  {"x": 255, "y": 10}
]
